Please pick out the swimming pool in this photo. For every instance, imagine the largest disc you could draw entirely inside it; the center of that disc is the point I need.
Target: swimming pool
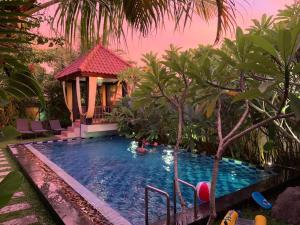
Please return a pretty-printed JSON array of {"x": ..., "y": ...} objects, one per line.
[{"x": 111, "y": 169}]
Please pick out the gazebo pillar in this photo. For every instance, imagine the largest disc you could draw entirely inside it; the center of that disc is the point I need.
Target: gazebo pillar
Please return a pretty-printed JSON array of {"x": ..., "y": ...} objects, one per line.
[
  {"x": 88, "y": 121},
  {"x": 124, "y": 89},
  {"x": 103, "y": 93},
  {"x": 76, "y": 114}
]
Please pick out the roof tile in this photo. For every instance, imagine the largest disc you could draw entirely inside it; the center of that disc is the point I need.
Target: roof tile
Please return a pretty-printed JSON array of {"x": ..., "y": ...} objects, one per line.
[{"x": 99, "y": 61}]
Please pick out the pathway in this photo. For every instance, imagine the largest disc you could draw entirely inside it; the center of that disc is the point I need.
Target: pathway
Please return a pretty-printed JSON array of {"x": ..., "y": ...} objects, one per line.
[{"x": 15, "y": 212}]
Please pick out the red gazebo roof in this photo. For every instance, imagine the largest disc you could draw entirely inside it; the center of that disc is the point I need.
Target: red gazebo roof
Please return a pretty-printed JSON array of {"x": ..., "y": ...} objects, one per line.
[{"x": 97, "y": 62}]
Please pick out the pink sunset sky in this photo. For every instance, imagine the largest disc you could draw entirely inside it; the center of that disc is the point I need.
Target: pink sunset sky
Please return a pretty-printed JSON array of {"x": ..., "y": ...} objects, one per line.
[{"x": 198, "y": 32}]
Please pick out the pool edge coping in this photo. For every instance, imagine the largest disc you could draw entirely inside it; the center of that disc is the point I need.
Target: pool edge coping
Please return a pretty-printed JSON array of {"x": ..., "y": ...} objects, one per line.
[{"x": 100, "y": 205}]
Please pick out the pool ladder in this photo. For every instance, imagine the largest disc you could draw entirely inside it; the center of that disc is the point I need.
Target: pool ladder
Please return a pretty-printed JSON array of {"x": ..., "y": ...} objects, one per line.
[{"x": 149, "y": 188}]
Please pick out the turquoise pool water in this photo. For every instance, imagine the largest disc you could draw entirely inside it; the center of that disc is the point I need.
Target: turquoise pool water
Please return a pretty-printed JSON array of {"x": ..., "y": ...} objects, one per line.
[{"x": 110, "y": 168}]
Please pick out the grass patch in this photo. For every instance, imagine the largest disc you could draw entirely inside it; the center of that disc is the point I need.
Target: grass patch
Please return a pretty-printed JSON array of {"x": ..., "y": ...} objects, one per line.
[
  {"x": 4, "y": 143},
  {"x": 38, "y": 207}
]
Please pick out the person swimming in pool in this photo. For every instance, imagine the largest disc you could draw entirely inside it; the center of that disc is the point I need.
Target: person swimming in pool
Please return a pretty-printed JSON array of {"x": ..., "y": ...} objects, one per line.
[
  {"x": 145, "y": 142},
  {"x": 140, "y": 149},
  {"x": 154, "y": 144}
]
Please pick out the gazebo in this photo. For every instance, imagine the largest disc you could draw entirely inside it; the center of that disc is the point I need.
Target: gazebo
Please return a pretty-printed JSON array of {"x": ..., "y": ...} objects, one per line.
[{"x": 91, "y": 88}]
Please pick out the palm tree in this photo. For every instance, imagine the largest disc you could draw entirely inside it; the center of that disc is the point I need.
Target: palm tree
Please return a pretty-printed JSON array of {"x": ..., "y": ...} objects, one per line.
[{"x": 108, "y": 18}]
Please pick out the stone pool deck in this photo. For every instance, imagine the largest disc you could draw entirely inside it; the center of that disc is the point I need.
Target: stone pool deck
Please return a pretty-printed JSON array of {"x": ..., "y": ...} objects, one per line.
[
  {"x": 70, "y": 201},
  {"x": 17, "y": 205}
]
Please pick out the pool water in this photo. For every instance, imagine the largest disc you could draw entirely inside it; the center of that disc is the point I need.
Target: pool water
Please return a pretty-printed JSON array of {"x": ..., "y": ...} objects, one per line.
[{"x": 111, "y": 169}]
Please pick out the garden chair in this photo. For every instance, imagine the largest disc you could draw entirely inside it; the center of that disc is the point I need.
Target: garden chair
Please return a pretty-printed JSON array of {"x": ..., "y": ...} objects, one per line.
[
  {"x": 55, "y": 126},
  {"x": 23, "y": 127},
  {"x": 37, "y": 127}
]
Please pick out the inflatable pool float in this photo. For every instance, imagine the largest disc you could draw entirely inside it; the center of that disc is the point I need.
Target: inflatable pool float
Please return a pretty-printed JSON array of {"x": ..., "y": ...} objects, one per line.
[
  {"x": 232, "y": 218},
  {"x": 261, "y": 201},
  {"x": 203, "y": 191}
]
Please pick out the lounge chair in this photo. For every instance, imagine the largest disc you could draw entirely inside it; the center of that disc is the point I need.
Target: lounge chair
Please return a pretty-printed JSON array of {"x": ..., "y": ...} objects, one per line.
[
  {"x": 23, "y": 126},
  {"x": 37, "y": 127},
  {"x": 55, "y": 126}
]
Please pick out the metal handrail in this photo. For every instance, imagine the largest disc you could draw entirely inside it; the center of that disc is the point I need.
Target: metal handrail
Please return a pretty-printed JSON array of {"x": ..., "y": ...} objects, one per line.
[
  {"x": 195, "y": 197},
  {"x": 151, "y": 188}
]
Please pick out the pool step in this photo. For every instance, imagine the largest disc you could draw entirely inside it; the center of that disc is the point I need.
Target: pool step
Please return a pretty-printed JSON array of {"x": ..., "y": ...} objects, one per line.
[
  {"x": 70, "y": 129},
  {"x": 71, "y": 132},
  {"x": 76, "y": 123},
  {"x": 75, "y": 132}
]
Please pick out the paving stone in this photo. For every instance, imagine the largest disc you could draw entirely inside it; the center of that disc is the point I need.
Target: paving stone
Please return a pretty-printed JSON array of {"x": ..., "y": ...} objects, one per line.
[
  {"x": 22, "y": 221},
  {"x": 4, "y": 168},
  {"x": 4, "y": 163},
  {"x": 18, "y": 194},
  {"x": 14, "y": 208},
  {"x": 3, "y": 174}
]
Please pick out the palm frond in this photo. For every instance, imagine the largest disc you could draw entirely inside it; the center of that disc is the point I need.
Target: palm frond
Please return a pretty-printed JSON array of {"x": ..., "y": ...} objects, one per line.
[
  {"x": 226, "y": 17},
  {"x": 15, "y": 77},
  {"x": 105, "y": 19}
]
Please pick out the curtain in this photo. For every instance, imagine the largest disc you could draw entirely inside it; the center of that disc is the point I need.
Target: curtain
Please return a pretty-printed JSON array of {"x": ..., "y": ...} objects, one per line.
[
  {"x": 103, "y": 91},
  {"x": 68, "y": 97},
  {"x": 92, "y": 97}
]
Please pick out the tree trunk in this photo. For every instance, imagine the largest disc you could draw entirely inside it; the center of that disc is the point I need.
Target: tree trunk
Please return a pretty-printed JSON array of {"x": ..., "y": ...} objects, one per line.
[
  {"x": 212, "y": 198},
  {"x": 41, "y": 6},
  {"x": 105, "y": 30},
  {"x": 176, "y": 149}
]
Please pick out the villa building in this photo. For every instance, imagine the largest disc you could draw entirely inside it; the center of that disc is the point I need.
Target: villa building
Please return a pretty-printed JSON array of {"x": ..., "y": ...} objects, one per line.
[{"x": 91, "y": 88}]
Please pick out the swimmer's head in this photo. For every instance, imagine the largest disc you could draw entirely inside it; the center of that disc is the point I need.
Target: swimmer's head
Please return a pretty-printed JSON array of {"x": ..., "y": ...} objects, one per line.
[{"x": 140, "y": 144}]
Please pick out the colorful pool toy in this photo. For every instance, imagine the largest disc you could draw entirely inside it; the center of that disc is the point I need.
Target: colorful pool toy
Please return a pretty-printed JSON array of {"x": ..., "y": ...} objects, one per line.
[
  {"x": 261, "y": 201},
  {"x": 203, "y": 191},
  {"x": 232, "y": 218}
]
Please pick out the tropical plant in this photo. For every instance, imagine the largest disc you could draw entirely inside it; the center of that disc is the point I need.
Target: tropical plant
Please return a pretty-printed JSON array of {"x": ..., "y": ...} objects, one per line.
[
  {"x": 55, "y": 104},
  {"x": 256, "y": 70},
  {"x": 9, "y": 185},
  {"x": 170, "y": 79},
  {"x": 16, "y": 79},
  {"x": 132, "y": 76},
  {"x": 153, "y": 120}
]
